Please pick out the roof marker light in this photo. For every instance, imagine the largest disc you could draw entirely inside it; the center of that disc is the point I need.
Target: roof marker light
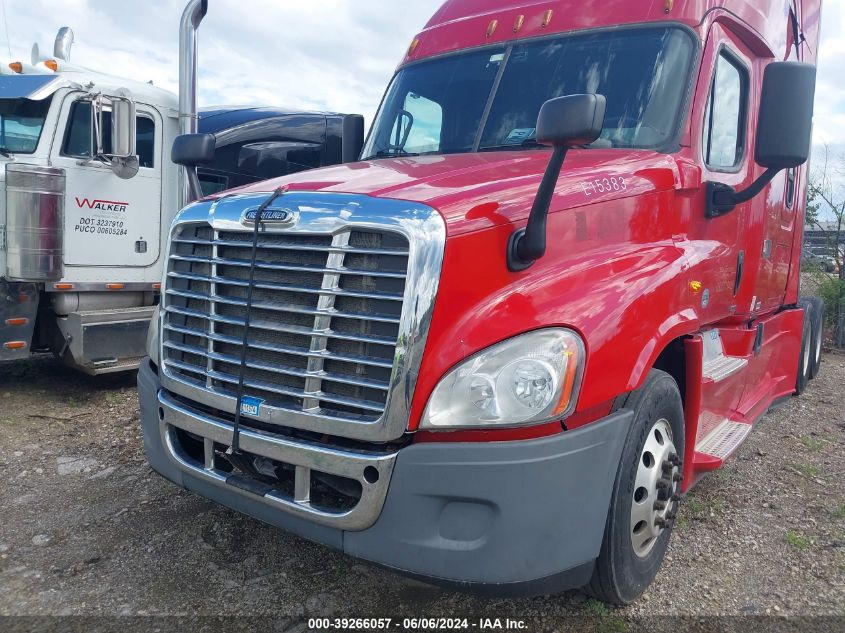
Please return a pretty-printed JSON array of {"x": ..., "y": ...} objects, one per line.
[
  {"x": 518, "y": 24},
  {"x": 413, "y": 46},
  {"x": 52, "y": 64},
  {"x": 492, "y": 28},
  {"x": 668, "y": 6},
  {"x": 547, "y": 19},
  {"x": 16, "y": 67}
]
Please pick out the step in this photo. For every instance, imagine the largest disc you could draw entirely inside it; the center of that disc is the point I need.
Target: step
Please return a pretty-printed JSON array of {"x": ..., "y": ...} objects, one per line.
[
  {"x": 720, "y": 368},
  {"x": 724, "y": 439},
  {"x": 717, "y": 365}
]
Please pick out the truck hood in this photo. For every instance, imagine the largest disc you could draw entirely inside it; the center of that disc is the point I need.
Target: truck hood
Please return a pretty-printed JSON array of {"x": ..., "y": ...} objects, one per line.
[{"x": 478, "y": 191}]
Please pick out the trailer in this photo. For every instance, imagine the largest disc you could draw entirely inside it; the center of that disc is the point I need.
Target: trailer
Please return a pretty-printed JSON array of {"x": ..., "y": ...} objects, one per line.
[
  {"x": 560, "y": 287},
  {"x": 89, "y": 192}
]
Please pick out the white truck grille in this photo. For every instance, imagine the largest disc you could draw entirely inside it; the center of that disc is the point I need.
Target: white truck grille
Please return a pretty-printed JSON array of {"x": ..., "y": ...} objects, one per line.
[{"x": 324, "y": 323}]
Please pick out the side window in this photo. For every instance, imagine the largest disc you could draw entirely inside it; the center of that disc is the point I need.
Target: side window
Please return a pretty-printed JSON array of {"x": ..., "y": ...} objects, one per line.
[
  {"x": 724, "y": 118},
  {"x": 79, "y": 135},
  {"x": 211, "y": 183},
  {"x": 426, "y": 124}
]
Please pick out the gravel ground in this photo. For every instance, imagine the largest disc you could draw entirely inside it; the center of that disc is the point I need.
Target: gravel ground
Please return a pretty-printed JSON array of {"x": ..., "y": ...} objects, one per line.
[{"x": 88, "y": 529}]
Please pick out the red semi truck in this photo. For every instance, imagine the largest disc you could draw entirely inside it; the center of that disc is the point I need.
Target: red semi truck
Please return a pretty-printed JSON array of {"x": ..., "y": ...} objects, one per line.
[{"x": 561, "y": 286}]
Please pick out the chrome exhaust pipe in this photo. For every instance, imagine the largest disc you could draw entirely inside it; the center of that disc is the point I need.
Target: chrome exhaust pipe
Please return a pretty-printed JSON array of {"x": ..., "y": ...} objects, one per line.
[
  {"x": 64, "y": 41},
  {"x": 192, "y": 17}
]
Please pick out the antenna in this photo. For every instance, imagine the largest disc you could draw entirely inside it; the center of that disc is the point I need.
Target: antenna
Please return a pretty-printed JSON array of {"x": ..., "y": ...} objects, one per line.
[{"x": 6, "y": 23}]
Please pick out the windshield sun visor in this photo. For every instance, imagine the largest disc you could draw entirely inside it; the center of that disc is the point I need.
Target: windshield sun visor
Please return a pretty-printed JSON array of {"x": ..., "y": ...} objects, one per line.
[{"x": 33, "y": 87}]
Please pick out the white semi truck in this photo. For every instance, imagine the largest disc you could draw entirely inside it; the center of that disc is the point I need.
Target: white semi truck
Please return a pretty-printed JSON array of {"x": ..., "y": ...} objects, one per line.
[{"x": 88, "y": 192}]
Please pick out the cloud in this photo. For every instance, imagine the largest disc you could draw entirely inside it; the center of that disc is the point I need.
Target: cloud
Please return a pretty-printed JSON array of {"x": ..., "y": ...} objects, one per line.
[{"x": 316, "y": 54}]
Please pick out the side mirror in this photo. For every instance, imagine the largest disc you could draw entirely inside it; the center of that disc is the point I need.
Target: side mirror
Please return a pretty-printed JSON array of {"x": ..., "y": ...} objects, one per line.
[
  {"x": 353, "y": 138},
  {"x": 571, "y": 121},
  {"x": 190, "y": 151},
  {"x": 123, "y": 132},
  {"x": 784, "y": 131},
  {"x": 785, "y": 124},
  {"x": 563, "y": 123}
]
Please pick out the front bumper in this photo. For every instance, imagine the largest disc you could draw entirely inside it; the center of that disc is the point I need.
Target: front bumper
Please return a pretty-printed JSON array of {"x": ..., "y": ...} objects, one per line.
[{"x": 515, "y": 518}]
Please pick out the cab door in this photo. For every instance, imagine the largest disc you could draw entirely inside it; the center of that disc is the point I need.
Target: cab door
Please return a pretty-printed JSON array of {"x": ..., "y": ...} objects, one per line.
[{"x": 109, "y": 221}]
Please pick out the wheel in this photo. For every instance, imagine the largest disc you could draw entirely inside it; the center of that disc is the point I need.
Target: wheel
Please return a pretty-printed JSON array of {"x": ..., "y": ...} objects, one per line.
[
  {"x": 645, "y": 495},
  {"x": 817, "y": 334},
  {"x": 806, "y": 354}
]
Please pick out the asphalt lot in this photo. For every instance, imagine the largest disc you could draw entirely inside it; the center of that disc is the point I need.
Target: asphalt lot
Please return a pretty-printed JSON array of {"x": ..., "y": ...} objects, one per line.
[{"x": 88, "y": 529}]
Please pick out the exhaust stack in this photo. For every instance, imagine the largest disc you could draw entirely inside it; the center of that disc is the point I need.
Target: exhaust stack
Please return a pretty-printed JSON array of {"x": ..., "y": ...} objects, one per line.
[
  {"x": 191, "y": 19},
  {"x": 64, "y": 42}
]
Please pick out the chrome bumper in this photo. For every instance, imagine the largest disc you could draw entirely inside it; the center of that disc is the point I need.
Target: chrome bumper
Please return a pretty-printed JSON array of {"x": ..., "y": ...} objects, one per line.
[{"x": 373, "y": 472}]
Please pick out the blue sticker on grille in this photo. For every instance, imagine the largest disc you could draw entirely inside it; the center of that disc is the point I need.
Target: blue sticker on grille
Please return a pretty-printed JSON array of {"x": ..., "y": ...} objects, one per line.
[{"x": 251, "y": 406}]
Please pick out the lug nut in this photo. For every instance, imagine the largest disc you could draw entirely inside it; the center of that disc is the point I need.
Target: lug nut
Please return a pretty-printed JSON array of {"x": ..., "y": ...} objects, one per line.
[
  {"x": 676, "y": 497},
  {"x": 662, "y": 484},
  {"x": 659, "y": 505},
  {"x": 677, "y": 477}
]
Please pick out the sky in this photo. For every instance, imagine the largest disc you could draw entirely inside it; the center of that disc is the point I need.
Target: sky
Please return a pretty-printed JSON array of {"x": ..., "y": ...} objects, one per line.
[{"x": 303, "y": 54}]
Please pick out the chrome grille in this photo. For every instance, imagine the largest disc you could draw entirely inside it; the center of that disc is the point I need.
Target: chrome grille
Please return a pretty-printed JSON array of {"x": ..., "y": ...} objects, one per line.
[{"x": 324, "y": 323}]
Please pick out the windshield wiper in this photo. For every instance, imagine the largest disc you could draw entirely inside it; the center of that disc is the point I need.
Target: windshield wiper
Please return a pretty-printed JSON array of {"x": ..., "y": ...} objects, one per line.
[
  {"x": 391, "y": 153},
  {"x": 529, "y": 143}
]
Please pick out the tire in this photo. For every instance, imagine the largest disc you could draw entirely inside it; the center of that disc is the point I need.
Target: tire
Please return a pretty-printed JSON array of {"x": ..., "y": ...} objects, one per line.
[
  {"x": 805, "y": 353},
  {"x": 622, "y": 572},
  {"x": 817, "y": 334}
]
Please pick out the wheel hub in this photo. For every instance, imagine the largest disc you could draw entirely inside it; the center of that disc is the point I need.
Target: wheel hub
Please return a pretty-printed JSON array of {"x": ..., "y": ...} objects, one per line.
[{"x": 656, "y": 489}]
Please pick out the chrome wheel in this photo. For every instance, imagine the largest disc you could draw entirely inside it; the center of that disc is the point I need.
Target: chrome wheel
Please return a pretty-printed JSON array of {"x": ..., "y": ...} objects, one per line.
[
  {"x": 655, "y": 489},
  {"x": 808, "y": 344}
]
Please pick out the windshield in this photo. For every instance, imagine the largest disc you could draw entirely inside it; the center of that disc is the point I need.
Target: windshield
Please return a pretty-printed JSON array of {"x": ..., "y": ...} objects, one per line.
[
  {"x": 489, "y": 99},
  {"x": 21, "y": 122}
]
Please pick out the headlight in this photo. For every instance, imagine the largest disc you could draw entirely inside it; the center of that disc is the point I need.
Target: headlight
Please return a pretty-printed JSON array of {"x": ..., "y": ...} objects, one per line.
[
  {"x": 153, "y": 339},
  {"x": 529, "y": 379}
]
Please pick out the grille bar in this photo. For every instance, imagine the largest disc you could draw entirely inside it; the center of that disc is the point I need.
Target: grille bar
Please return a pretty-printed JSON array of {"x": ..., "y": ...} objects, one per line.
[
  {"x": 393, "y": 252},
  {"x": 279, "y": 307},
  {"x": 242, "y": 263},
  {"x": 267, "y": 387},
  {"x": 280, "y": 287},
  {"x": 292, "y": 351},
  {"x": 317, "y": 373},
  {"x": 271, "y": 327}
]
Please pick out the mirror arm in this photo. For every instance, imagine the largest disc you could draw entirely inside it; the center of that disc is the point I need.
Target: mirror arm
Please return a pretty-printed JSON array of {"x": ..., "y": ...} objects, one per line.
[
  {"x": 722, "y": 198},
  {"x": 194, "y": 188},
  {"x": 529, "y": 244}
]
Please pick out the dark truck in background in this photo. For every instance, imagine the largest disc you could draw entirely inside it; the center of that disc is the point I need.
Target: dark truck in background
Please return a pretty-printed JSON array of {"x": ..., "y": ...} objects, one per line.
[{"x": 258, "y": 143}]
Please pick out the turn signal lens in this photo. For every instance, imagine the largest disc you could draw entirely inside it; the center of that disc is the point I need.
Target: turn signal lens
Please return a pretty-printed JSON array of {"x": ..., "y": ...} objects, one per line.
[
  {"x": 16, "y": 67},
  {"x": 63, "y": 286},
  {"x": 156, "y": 286},
  {"x": 115, "y": 286}
]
